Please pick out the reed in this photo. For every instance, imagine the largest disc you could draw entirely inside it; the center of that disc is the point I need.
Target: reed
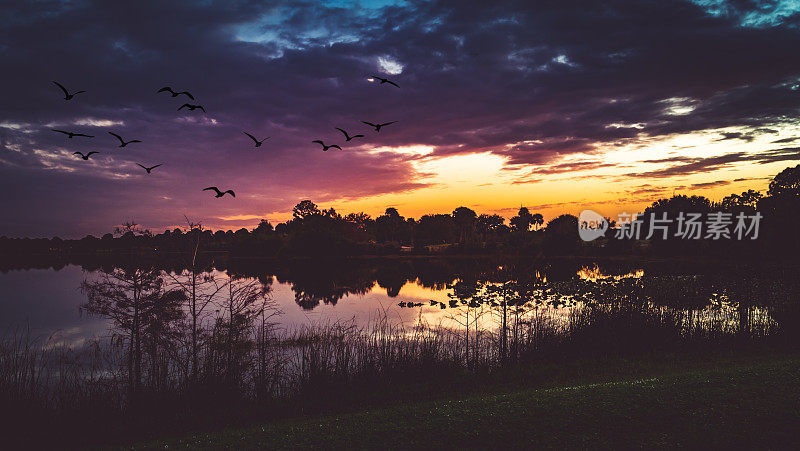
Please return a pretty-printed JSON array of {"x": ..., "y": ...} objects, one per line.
[{"x": 282, "y": 370}]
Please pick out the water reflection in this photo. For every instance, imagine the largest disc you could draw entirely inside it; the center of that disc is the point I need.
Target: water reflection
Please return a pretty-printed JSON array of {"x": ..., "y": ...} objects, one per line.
[
  {"x": 593, "y": 273},
  {"x": 450, "y": 293}
]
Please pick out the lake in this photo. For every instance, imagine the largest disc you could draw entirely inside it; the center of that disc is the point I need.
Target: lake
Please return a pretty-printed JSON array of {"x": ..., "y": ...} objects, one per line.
[{"x": 315, "y": 292}]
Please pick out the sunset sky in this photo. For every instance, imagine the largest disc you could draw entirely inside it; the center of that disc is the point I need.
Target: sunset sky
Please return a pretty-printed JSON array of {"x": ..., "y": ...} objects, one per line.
[{"x": 554, "y": 105}]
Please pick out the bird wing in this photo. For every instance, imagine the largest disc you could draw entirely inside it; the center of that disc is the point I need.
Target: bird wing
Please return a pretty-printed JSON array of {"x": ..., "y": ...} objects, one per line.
[
  {"x": 66, "y": 93},
  {"x": 213, "y": 188},
  {"x": 392, "y": 83},
  {"x": 187, "y": 94},
  {"x": 379, "y": 78},
  {"x": 134, "y": 141},
  {"x": 201, "y": 107},
  {"x": 319, "y": 142},
  {"x": 118, "y": 137},
  {"x": 357, "y": 136},
  {"x": 165, "y": 88},
  {"x": 184, "y": 106},
  {"x": 137, "y": 164},
  {"x": 344, "y": 132},
  {"x": 336, "y": 146},
  {"x": 90, "y": 153},
  {"x": 368, "y": 123},
  {"x": 81, "y": 134},
  {"x": 156, "y": 166},
  {"x": 388, "y": 123},
  {"x": 230, "y": 191},
  {"x": 60, "y": 131},
  {"x": 77, "y": 92},
  {"x": 77, "y": 153},
  {"x": 251, "y": 136}
]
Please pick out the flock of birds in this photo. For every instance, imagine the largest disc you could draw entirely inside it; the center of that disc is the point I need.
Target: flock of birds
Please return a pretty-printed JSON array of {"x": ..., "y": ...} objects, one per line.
[{"x": 191, "y": 107}]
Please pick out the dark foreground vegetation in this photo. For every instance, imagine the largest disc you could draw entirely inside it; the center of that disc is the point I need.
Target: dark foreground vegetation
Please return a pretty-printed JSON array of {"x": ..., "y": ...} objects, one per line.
[
  {"x": 729, "y": 404},
  {"x": 192, "y": 352},
  {"x": 324, "y": 232}
]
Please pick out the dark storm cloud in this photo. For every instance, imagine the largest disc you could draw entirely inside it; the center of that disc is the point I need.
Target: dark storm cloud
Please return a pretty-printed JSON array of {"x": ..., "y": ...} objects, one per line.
[
  {"x": 748, "y": 136},
  {"x": 689, "y": 165},
  {"x": 706, "y": 185},
  {"x": 659, "y": 191},
  {"x": 786, "y": 140},
  {"x": 536, "y": 175},
  {"x": 531, "y": 81},
  {"x": 648, "y": 189},
  {"x": 737, "y": 135}
]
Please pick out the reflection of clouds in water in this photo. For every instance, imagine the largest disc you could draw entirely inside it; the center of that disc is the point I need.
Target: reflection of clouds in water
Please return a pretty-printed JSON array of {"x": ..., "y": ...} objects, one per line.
[
  {"x": 44, "y": 301},
  {"x": 77, "y": 336},
  {"x": 48, "y": 302},
  {"x": 594, "y": 273},
  {"x": 360, "y": 308}
]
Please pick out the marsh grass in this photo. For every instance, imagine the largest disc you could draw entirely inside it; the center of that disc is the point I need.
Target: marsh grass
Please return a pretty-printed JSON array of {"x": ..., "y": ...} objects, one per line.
[{"x": 82, "y": 393}]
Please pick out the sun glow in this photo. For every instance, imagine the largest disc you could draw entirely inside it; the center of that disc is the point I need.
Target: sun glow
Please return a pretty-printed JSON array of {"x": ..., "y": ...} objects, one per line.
[{"x": 594, "y": 274}]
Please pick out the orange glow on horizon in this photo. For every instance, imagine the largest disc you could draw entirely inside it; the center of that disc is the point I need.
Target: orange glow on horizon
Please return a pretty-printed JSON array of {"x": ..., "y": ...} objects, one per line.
[{"x": 618, "y": 182}]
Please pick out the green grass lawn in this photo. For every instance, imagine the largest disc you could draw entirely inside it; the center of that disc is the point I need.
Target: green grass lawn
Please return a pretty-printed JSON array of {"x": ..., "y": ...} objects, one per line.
[{"x": 737, "y": 405}]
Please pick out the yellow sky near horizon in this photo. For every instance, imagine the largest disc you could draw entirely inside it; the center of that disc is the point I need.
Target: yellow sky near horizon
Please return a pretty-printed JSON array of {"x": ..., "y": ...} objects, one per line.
[{"x": 619, "y": 182}]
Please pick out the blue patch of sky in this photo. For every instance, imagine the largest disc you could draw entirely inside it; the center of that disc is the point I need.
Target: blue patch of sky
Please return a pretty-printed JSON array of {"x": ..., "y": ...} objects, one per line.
[
  {"x": 340, "y": 21},
  {"x": 764, "y": 13}
]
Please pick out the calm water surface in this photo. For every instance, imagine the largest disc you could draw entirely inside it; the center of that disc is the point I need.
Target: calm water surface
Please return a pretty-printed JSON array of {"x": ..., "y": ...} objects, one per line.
[{"x": 48, "y": 301}]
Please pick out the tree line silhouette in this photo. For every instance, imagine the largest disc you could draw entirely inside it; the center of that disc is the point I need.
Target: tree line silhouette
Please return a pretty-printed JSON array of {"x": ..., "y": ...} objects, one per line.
[{"x": 313, "y": 231}]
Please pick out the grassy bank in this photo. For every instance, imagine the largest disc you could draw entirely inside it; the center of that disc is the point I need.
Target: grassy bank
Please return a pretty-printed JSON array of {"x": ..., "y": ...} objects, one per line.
[{"x": 754, "y": 404}]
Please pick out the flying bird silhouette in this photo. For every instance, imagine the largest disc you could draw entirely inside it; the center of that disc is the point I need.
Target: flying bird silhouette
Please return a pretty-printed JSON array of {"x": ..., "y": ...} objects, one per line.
[
  {"x": 122, "y": 142},
  {"x": 348, "y": 137},
  {"x": 192, "y": 107},
  {"x": 146, "y": 168},
  {"x": 324, "y": 147},
  {"x": 258, "y": 143},
  {"x": 175, "y": 94},
  {"x": 385, "y": 80},
  {"x": 220, "y": 193},
  {"x": 378, "y": 126},
  {"x": 70, "y": 135},
  {"x": 67, "y": 95},
  {"x": 85, "y": 157}
]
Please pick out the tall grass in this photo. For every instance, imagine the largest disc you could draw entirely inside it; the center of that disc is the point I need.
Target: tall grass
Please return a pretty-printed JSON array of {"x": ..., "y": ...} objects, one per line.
[{"x": 282, "y": 370}]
